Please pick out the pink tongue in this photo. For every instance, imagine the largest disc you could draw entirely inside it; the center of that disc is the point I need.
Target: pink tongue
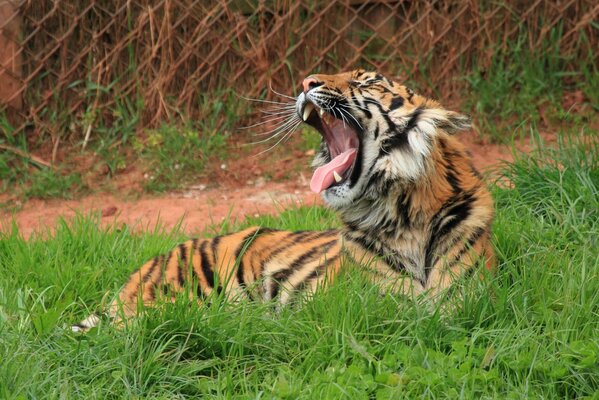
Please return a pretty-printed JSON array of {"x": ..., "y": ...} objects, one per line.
[{"x": 323, "y": 176}]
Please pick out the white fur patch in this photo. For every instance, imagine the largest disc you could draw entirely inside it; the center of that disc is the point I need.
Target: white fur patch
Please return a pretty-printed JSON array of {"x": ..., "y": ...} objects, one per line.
[
  {"x": 88, "y": 323},
  {"x": 405, "y": 164},
  {"x": 419, "y": 138}
]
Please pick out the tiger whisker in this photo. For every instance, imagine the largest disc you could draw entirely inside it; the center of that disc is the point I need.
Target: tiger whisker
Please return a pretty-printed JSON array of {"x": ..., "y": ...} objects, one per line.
[
  {"x": 354, "y": 106},
  {"x": 345, "y": 121},
  {"x": 332, "y": 110},
  {"x": 289, "y": 111},
  {"x": 281, "y": 106},
  {"x": 266, "y": 121},
  {"x": 287, "y": 134},
  {"x": 276, "y": 131},
  {"x": 350, "y": 114},
  {"x": 281, "y": 132},
  {"x": 267, "y": 101},
  {"x": 280, "y": 94},
  {"x": 285, "y": 107}
]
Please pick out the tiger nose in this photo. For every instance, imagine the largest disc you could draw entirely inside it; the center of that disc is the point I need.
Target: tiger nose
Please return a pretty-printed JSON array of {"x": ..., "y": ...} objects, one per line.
[{"x": 310, "y": 83}]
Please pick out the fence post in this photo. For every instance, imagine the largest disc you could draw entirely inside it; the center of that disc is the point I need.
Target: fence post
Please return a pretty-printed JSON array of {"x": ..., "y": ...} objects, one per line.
[{"x": 11, "y": 84}]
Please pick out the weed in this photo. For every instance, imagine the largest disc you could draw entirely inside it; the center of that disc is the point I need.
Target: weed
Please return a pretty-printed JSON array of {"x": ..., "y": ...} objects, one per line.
[
  {"x": 174, "y": 155},
  {"x": 24, "y": 177},
  {"x": 110, "y": 141},
  {"x": 47, "y": 183}
]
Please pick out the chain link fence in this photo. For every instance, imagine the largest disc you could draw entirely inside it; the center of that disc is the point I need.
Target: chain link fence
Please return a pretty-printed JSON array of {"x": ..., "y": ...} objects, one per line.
[{"x": 61, "y": 60}]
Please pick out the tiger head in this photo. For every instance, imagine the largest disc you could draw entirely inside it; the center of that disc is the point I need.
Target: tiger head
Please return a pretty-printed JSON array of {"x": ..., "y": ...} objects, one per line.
[{"x": 373, "y": 130}]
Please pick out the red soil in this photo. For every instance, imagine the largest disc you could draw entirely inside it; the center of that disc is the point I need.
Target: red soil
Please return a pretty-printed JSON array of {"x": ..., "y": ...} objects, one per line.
[{"x": 198, "y": 207}]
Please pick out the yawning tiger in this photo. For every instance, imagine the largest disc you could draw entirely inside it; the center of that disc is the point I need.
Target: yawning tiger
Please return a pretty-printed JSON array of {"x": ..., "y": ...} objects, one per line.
[{"x": 416, "y": 215}]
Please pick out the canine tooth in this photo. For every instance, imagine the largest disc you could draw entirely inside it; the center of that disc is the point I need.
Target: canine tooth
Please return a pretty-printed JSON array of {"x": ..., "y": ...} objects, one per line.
[
  {"x": 321, "y": 112},
  {"x": 337, "y": 177},
  {"x": 307, "y": 110}
]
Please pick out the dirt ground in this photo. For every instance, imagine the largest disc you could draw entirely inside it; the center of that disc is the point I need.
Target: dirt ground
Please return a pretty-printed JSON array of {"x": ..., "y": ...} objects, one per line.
[{"x": 230, "y": 193}]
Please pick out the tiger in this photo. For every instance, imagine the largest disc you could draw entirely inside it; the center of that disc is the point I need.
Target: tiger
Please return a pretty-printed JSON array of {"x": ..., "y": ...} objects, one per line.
[{"x": 415, "y": 214}]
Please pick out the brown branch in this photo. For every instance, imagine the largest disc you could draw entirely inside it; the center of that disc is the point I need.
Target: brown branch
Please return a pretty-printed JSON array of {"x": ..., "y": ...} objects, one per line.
[{"x": 30, "y": 157}]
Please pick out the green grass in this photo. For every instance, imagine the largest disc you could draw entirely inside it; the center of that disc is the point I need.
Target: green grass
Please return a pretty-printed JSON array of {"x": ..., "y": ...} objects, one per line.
[
  {"x": 529, "y": 332},
  {"x": 173, "y": 154},
  {"x": 520, "y": 85},
  {"x": 48, "y": 183},
  {"x": 28, "y": 178}
]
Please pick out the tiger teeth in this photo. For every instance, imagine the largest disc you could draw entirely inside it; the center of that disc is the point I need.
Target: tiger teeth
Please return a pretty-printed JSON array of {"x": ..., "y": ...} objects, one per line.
[
  {"x": 337, "y": 177},
  {"x": 321, "y": 112},
  {"x": 307, "y": 110}
]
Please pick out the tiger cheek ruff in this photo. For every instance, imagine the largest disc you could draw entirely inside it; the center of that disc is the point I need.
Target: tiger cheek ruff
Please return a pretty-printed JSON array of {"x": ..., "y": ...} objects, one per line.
[{"x": 416, "y": 214}]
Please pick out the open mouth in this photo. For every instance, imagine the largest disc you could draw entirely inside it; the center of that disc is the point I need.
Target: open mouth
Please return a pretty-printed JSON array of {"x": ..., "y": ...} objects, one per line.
[{"x": 342, "y": 142}]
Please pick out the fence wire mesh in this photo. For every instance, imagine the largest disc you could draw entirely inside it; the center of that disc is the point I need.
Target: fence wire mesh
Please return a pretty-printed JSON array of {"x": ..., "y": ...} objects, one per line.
[{"x": 68, "y": 59}]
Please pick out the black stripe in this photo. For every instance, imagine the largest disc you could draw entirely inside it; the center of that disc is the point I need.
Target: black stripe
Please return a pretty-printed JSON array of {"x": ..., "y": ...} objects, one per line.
[
  {"x": 397, "y": 140},
  {"x": 396, "y": 102},
  {"x": 382, "y": 112},
  {"x": 214, "y": 248},
  {"x": 206, "y": 267},
  {"x": 396, "y": 265},
  {"x": 299, "y": 236},
  {"x": 145, "y": 278},
  {"x": 195, "y": 277},
  {"x": 320, "y": 268},
  {"x": 152, "y": 288},
  {"x": 182, "y": 264},
  {"x": 376, "y": 131},
  {"x": 467, "y": 246},
  {"x": 404, "y": 202},
  {"x": 450, "y": 173},
  {"x": 152, "y": 267},
  {"x": 310, "y": 278},
  {"x": 244, "y": 246},
  {"x": 386, "y": 226},
  {"x": 317, "y": 271},
  {"x": 469, "y": 272},
  {"x": 413, "y": 121},
  {"x": 280, "y": 277},
  {"x": 362, "y": 106},
  {"x": 357, "y": 165},
  {"x": 474, "y": 170},
  {"x": 305, "y": 257},
  {"x": 451, "y": 214}
]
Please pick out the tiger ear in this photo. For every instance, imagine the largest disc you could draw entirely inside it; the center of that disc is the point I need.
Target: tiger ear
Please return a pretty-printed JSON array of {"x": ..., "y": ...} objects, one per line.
[{"x": 454, "y": 122}]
